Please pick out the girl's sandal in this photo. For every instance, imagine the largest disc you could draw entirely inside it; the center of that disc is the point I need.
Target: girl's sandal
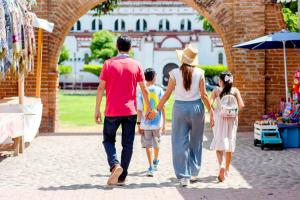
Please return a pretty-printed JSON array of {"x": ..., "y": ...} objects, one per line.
[{"x": 221, "y": 176}]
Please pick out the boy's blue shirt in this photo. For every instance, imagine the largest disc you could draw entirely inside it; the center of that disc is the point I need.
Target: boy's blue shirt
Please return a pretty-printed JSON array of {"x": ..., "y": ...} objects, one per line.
[{"x": 155, "y": 94}]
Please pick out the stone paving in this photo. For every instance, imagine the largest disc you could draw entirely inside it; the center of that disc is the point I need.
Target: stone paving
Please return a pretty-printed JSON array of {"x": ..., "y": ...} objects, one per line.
[{"x": 73, "y": 166}]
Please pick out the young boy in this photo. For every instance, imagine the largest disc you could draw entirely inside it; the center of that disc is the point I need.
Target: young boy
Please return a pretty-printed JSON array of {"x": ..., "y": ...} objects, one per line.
[{"x": 151, "y": 129}]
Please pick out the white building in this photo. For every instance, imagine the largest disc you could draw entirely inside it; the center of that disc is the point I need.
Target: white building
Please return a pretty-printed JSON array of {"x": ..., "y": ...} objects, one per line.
[{"x": 158, "y": 28}]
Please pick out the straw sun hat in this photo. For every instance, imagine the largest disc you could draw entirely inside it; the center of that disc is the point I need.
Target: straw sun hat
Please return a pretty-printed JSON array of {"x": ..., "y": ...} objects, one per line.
[{"x": 188, "y": 56}]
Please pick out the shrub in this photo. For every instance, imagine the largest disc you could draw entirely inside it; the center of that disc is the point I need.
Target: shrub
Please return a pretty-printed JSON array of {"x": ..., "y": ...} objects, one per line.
[
  {"x": 94, "y": 69},
  {"x": 64, "y": 55},
  {"x": 64, "y": 69},
  {"x": 213, "y": 70}
]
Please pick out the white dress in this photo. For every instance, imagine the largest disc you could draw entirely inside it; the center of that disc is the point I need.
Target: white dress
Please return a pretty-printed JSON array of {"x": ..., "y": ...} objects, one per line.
[{"x": 224, "y": 131}]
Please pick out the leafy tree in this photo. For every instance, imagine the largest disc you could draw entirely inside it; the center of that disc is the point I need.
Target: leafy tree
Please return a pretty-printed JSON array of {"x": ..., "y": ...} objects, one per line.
[
  {"x": 64, "y": 55},
  {"x": 206, "y": 24},
  {"x": 105, "y": 7},
  {"x": 289, "y": 11},
  {"x": 290, "y": 19},
  {"x": 103, "y": 46}
]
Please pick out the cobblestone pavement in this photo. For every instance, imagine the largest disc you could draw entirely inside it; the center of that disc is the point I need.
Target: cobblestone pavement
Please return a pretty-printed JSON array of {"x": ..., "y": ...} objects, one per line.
[{"x": 73, "y": 166}]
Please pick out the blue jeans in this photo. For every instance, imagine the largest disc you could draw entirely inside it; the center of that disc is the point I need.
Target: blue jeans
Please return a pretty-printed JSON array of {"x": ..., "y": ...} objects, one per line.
[
  {"x": 111, "y": 125},
  {"x": 187, "y": 137}
]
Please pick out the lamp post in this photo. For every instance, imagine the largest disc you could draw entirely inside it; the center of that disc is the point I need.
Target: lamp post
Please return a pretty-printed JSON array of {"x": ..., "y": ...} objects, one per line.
[{"x": 75, "y": 70}]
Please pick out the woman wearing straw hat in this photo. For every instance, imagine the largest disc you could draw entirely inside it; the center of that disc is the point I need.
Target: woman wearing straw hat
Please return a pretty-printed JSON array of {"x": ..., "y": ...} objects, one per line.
[{"x": 188, "y": 83}]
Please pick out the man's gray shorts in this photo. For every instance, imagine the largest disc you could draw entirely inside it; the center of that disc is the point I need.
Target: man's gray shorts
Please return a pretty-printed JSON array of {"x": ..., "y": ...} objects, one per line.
[{"x": 151, "y": 138}]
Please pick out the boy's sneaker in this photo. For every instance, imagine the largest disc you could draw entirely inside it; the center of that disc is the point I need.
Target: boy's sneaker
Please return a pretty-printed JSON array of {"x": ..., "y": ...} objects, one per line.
[
  {"x": 150, "y": 172},
  {"x": 155, "y": 164}
]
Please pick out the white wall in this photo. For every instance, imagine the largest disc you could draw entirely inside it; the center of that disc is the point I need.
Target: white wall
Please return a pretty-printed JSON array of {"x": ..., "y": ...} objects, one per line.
[{"x": 130, "y": 13}]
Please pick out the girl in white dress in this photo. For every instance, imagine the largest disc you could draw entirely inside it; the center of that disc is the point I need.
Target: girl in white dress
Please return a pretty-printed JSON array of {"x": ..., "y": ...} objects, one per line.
[{"x": 225, "y": 128}]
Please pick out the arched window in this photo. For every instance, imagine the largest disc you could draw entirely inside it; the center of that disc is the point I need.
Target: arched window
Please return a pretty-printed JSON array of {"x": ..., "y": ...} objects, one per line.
[
  {"x": 117, "y": 25},
  {"x": 72, "y": 29},
  {"x": 78, "y": 26},
  {"x": 123, "y": 25},
  {"x": 189, "y": 25},
  {"x": 138, "y": 27},
  {"x": 161, "y": 25},
  {"x": 164, "y": 25},
  {"x": 120, "y": 25},
  {"x": 145, "y": 27},
  {"x": 94, "y": 25},
  {"x": 141, "y": 25},
  {"x": 167, "y": 25},
  {"x": 100, "y": 25},
  {"x": 182, "y": 25},
  {"x": 220, "y": 58}
]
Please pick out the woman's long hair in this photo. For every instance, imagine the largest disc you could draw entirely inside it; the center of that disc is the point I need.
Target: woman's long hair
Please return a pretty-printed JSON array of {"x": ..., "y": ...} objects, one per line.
[
  {"x": 187, "y": 74},
  {"x": 227, "y": 79}
]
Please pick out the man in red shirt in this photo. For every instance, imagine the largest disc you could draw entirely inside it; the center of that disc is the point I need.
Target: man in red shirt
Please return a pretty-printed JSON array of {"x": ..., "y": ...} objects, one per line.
[{"x": 119, "y": 78}]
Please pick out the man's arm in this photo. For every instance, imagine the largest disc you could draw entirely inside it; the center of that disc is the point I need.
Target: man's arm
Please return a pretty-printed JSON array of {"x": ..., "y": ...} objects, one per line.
[
  {"x": 139, "y": 118},
  {"x": 100, "y": 93}
]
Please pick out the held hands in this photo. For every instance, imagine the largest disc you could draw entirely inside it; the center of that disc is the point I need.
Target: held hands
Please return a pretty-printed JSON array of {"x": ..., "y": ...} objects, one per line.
[
  {"x": 150, "y": 114},
  {"x": 141, "y": 131},
  {"x": 98, "y": 117}
]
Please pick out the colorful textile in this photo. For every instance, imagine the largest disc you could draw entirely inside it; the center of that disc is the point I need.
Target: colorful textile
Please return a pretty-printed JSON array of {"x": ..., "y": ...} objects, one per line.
[{"x": 17, "y": 41}]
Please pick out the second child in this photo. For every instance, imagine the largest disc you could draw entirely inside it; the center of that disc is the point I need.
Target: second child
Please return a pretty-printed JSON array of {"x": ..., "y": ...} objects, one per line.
[
  {"x": 226, "y": 97},
  {"x": 150, "y": 130}
]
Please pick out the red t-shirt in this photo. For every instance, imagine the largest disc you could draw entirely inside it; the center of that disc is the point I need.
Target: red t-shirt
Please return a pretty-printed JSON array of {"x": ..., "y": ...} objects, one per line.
[{"x": 121, "y": 75}]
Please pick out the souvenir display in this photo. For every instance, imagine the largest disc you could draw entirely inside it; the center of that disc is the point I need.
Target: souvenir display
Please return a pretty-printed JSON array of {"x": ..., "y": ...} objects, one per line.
[
  {"x": 17, "y": 40},
  {"x": 286, "y": 122}
]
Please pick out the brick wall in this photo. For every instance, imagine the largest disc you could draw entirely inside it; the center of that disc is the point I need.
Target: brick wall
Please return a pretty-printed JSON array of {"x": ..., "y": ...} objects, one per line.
[{"x": 258, "y": 74}]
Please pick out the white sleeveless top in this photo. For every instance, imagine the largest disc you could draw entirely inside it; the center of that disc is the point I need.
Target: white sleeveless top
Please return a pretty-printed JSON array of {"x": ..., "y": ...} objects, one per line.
[{"x": 180, "y": 93}]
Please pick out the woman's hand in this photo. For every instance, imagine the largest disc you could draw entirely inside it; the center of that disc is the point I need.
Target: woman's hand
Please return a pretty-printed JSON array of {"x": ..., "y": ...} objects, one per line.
[{"x": 211, "y": 120}]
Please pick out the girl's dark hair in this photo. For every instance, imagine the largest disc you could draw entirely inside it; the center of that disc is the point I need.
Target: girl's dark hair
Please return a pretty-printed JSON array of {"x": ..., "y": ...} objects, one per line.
[
  {"x": 187, "y": 74},
  {"x": 227, "y": 84}
]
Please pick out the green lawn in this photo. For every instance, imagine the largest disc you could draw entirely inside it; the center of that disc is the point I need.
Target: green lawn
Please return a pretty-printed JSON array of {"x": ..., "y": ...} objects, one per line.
[{"x": 79, "y": 109}]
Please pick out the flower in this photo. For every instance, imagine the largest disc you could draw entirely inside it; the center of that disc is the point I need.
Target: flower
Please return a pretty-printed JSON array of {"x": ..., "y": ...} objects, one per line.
[{"x": 228, "y": 79}]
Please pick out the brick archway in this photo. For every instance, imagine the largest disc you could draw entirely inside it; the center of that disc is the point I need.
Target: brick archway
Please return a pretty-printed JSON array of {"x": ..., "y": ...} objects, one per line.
[{"x": 258, "y": 74}]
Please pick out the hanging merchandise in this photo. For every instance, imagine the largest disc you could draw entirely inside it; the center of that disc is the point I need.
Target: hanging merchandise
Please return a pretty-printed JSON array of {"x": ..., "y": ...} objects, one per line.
[{"x": 17, "y": 40}]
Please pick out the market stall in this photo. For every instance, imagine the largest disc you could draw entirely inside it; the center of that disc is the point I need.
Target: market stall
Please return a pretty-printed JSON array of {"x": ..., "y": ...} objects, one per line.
[
  {"x": 17, "y": 51},
  {"x": 12, "y": 127},
  {"x": 285, "y": 121},
  {"x": 279, "y": 128}
]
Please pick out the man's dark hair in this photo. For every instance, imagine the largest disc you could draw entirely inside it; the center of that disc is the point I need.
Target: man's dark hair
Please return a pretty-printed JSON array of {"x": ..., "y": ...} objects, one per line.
[
  {"x": 149, "y": 74},
  {"x": 124, "y": 43}
]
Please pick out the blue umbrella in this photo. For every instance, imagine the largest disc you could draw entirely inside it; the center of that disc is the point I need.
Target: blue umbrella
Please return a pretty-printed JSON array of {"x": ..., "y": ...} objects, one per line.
[{"x": 279, "y": 40}]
